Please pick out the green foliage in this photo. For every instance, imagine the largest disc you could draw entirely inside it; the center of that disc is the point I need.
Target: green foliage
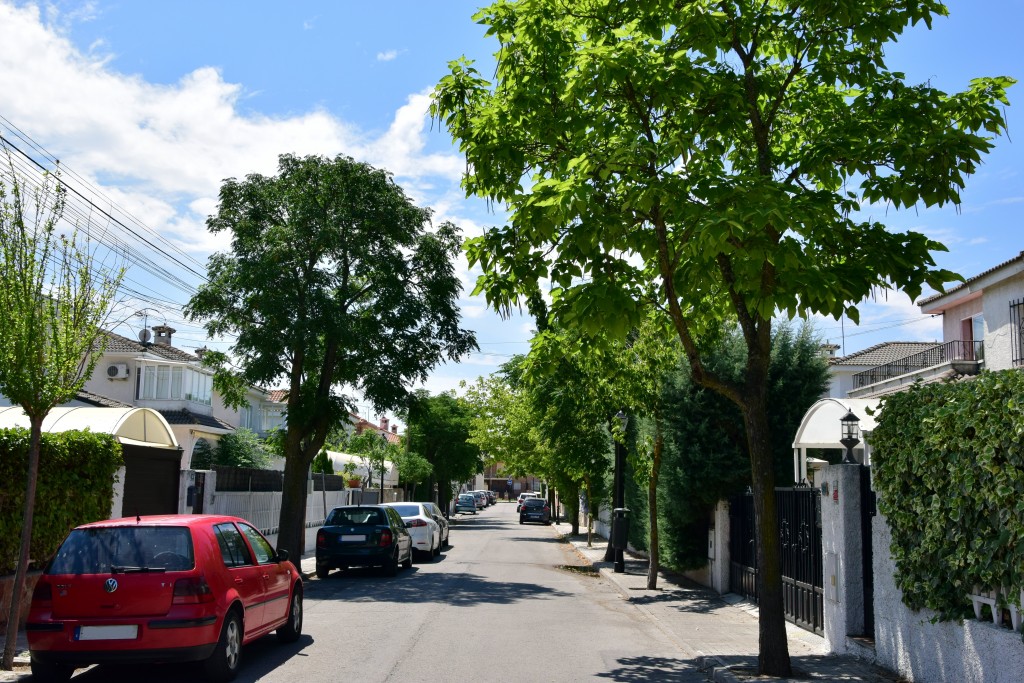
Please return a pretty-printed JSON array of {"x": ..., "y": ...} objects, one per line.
[
  {"x": 413, "y": 468},
  {"x": 705, "y": 457},
  {"x": 322, "y": 464},
  {"x": 948, "y": 463},
  {"x": 204, "y": 455},
  {"x": 438, "y": 430},
  {"x": 54, "y": 294},
  {"x": 240, "y": 448},
  {"x": 335, "y": 279},
  {"x": 80, "y": 468}
]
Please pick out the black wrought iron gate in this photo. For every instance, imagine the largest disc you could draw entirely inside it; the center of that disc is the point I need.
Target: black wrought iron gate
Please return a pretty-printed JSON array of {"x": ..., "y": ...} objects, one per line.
[{"x": 800, "y": 550}]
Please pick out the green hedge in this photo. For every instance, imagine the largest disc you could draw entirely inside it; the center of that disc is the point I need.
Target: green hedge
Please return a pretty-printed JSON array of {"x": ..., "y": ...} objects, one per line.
[
  {"x": 948, "y": 466},
  {"x": 77, "y": 471}
]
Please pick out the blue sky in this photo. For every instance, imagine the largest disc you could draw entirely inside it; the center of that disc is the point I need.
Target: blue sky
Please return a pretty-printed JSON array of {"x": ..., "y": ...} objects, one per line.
[{"x": 155, "y": 102}]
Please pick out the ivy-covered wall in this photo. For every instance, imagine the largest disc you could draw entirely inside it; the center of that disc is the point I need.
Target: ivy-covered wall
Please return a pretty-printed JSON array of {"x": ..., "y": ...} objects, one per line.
[
  {"x": 75, "y": 486},
  {"x": 948, "y": 464}
]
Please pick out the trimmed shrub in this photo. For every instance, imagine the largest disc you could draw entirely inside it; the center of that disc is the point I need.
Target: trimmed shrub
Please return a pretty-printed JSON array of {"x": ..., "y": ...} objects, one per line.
[{"x": 77, "y": 471}]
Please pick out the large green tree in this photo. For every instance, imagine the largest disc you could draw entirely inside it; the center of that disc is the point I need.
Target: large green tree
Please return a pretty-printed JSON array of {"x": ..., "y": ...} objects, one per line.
[
  {"x": 438, "y": 430},
  {"x": 721, "y": 150},
  {"x": 55, "y": 293},
  {"x": 334, "y": 280}
]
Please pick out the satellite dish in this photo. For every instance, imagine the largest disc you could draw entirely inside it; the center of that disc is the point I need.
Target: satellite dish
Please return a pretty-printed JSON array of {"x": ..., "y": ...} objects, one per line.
[{"x": 144, "y": 335}]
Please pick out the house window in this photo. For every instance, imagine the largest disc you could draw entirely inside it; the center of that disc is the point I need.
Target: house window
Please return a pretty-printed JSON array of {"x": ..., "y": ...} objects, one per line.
[
  {"x": 174, "y": 383},
  {"x": 1017, "y": 331}
]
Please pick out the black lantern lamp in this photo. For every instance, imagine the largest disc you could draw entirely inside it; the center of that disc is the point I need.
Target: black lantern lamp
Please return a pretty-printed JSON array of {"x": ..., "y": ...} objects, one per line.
[{"x": 851, "y": 435}]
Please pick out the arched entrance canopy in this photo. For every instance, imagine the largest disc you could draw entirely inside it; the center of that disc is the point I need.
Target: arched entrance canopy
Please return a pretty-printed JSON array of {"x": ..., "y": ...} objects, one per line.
[
  {"x": 820, "y": 429},
  {"x": 131, "y": 426}
]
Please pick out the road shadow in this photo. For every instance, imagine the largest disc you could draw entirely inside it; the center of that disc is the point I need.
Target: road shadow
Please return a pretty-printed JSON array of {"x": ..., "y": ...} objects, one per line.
[
  {"x": 656, "y": 670},
  {"x": 412, "y": 587},
  {"x": 259, "y": 659}
]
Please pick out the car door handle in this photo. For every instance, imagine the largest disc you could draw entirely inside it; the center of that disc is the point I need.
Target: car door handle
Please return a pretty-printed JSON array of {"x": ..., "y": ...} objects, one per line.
[{"x": 239, "y": 581}]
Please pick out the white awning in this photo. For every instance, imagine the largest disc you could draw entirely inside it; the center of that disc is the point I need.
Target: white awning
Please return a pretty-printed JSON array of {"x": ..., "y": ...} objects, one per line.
[
  {"x": 820, "y": 427},
  {"x": 131, "y": 426}
]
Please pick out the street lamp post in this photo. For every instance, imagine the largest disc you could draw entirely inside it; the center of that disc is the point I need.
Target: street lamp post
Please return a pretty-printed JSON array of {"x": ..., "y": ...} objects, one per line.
[
  {"x": 383, "y": 453},
  {"x": 850, "y": 436},
  {"x": 613, "y": 554}
]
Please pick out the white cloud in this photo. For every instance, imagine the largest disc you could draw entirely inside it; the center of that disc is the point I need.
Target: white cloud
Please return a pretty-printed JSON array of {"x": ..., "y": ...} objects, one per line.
[{"x": 387, "y": 56}]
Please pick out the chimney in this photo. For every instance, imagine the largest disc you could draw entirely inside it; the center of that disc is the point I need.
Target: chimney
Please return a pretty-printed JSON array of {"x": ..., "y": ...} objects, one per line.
[
  {"x": 394, "y": 429},
  {"x": 200, "y": 351},
  {"x": 163, "y": 334},
  {"x": 384, "y": 424}
]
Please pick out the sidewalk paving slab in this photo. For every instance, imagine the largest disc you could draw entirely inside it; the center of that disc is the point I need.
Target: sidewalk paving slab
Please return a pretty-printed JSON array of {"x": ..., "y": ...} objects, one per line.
[{"x": 720, "y": 632}]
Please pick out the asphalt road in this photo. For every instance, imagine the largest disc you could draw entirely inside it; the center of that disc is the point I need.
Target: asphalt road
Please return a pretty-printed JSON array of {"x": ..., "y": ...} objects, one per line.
[{"x": 503, "y": 603}]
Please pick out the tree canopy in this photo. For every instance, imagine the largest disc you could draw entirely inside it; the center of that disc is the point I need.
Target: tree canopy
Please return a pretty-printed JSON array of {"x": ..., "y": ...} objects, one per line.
[
  {"x": 710, "y": 159},
  {"x": 55, "y": 293},
  {"x": 438, "y": 430},
  {"x": 335, "y": 280}
]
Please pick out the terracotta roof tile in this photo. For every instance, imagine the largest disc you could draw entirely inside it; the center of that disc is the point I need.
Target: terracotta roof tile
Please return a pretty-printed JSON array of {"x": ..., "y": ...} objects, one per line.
[
  {"x": 883, "y": 353},
  {"x": 118, "y": 344},
  {"x": 277, "y": 395}
]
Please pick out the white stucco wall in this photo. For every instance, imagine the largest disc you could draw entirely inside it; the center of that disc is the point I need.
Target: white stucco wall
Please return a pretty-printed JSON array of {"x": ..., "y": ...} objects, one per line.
[
  {"x": 923, "y": 652},
  {"x": 954, "y": 316},
  {"x": 998, "y": 340}
]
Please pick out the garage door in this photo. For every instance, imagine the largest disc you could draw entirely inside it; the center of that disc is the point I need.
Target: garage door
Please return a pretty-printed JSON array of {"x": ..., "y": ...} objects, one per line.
[{"x": 150, "y": 481}]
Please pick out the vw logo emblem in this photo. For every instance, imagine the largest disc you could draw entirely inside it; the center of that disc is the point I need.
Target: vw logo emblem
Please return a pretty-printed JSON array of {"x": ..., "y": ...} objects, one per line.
[{"x": 110, "y": 586}]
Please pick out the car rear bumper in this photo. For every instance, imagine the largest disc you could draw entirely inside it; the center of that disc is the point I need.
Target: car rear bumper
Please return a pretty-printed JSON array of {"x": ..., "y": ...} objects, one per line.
[
  {"x": 158, "y": 640},
  {"x": 373, "y": 557}
]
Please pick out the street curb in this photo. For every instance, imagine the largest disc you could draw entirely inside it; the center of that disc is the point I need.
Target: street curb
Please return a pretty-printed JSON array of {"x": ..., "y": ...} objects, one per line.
[{"x": 716, "y": 669}]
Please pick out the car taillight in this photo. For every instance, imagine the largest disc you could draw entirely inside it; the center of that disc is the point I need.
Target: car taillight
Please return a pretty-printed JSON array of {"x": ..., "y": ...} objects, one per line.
[
  {"x": 416, "y": 522},
  {"x": 192, "y": 591},
  {"x": 321, "y": 539},
  {"x": 42, "y": 593},
  {"x": 385, "y": 538}
]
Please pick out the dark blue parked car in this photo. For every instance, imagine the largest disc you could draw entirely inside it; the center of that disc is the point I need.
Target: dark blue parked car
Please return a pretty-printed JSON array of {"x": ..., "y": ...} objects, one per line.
[{"x": 363, "y": 536}]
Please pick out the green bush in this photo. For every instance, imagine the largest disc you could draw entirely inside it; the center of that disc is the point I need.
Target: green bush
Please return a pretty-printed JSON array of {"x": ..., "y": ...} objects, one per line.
[
  {"x": 77, "y": 471},
  {"x": 948, "y": 466}
]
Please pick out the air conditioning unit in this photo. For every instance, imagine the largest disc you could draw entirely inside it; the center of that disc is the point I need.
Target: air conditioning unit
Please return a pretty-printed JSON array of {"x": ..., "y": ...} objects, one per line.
[{"x": 117, "y": 371}]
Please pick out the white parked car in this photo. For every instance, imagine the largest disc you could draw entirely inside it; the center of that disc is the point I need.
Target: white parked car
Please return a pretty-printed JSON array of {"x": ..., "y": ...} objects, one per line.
[
  {"x": 441, "y": 520},
  {"x": 424, "y": 529}
]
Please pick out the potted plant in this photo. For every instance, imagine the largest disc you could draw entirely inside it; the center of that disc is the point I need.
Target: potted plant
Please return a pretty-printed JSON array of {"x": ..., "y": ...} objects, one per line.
[{"x": 348, "y": 470}]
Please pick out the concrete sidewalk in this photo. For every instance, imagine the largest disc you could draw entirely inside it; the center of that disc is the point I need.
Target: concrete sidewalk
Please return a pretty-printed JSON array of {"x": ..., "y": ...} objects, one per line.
[{"x": 720, "y": 631}]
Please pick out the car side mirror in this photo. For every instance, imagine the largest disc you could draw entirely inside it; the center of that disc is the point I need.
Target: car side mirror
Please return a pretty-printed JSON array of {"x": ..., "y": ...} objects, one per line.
[{"x": 282, "y": 555}]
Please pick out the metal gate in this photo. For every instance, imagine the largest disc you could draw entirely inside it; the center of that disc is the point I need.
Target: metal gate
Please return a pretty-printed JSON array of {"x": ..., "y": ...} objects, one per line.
[{"x": 799, "y": 512}]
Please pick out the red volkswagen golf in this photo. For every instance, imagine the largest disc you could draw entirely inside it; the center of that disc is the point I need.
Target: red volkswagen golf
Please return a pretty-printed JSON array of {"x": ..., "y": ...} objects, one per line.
[{"x": 161, "y": 589}]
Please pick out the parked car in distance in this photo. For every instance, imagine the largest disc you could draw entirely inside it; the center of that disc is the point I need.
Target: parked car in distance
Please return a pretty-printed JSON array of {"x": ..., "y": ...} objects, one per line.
[
  {"x": 523, "y": 496},
  {"x": 159, "y": 589},
  {"x": 363, "y": 536},
  {"x": 481, "y": 499},
  {"x": 535, "y": 510},
  {"x": 441, "y": 520},
  {"x": 466, "y": 502},
  {"x": 492, "y": 497},
  {"x": 424, "y": 529}
]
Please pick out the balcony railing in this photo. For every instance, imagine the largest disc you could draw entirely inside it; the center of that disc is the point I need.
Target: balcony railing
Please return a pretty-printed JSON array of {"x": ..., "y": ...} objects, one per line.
[{"x": 929, "y": 358}]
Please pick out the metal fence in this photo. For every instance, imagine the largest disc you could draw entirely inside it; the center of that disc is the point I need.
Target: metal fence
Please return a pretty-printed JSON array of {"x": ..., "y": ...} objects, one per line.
[
  {"x": 929, "y": 358},
  {"x": 799, "y": 510}
]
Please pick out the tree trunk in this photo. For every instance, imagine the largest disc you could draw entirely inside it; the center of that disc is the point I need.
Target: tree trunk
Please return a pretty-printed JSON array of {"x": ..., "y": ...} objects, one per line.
[
  {"x": 652, "y": 506},
  {"x": 18, "y": 588},
  {"x": 292, "y": 525},
  {"x": 773, "y": 650}
]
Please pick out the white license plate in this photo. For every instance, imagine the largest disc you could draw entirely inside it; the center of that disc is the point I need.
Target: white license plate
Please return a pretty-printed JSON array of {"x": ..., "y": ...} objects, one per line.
[
  {"x": 121, "y": 632},
  {"x": 353, "y": 537}
]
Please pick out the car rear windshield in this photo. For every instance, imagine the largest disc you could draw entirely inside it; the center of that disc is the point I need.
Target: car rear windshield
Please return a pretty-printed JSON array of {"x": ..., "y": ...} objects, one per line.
[
  {"x": 407, "y": 510},
  {"x": 102, "y": 550},
  {"x": 346, "y": 516},
  {"x": 465, "y": 497},
  {"x": 534, "y": 502}
]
